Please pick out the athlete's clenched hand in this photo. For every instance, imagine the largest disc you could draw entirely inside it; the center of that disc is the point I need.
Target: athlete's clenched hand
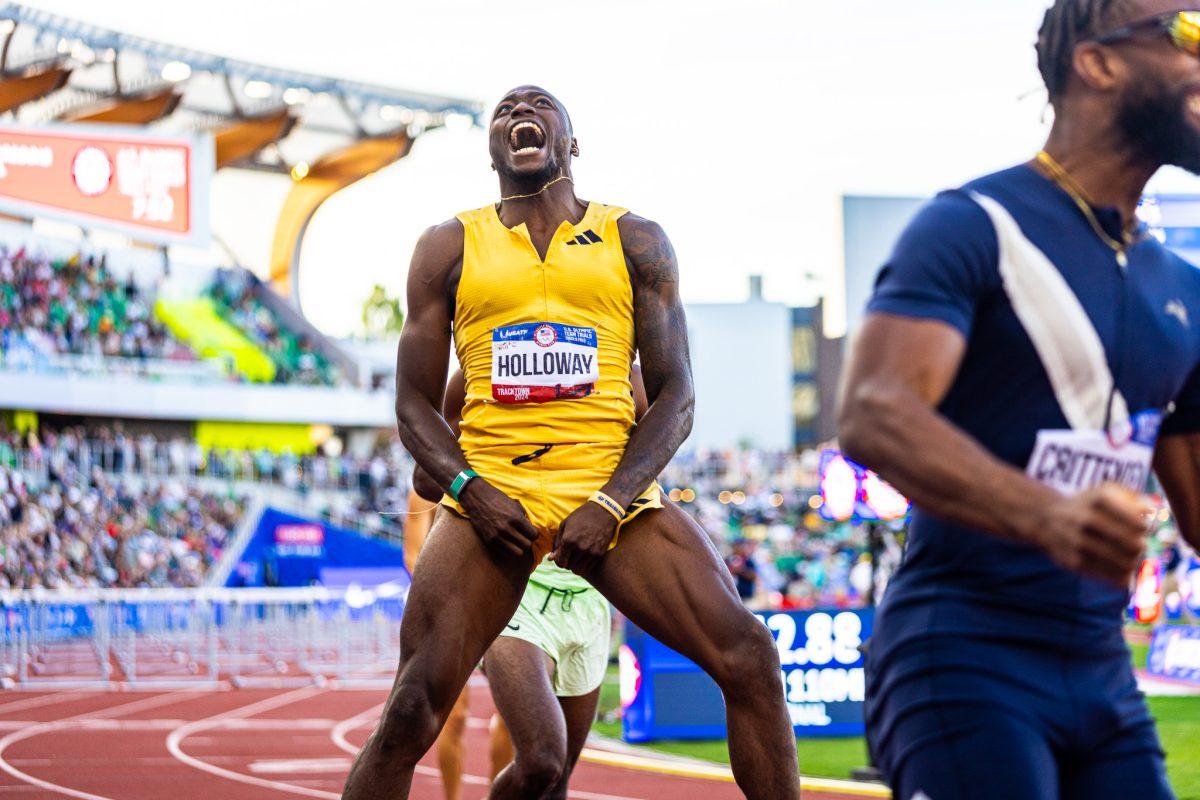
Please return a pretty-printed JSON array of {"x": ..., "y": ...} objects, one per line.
[
  {"x": 1101, "y": 532},
  {"x": 583, "y": 538},
  {"x": 498, "y": 520}
]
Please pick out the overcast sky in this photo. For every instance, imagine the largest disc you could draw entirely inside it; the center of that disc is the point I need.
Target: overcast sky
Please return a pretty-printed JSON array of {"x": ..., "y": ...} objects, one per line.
[{"x": 738, "y": 125}]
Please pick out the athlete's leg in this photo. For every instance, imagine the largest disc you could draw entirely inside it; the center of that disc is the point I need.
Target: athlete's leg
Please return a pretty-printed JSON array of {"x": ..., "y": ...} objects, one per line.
[
  {"x": 579, "y": 713},
  {"x": 451, "y": 747},
  {"x": 500, "y": 746},
  {"x": 519, "y": 674},
  {"x": 1142, "y": 775},
  {"x": 416, "y": 528},
  {"x": 461, "y": 597},
  {"x": 1121, "y": 755},
  {"x": 971, "y": 751},
  {"x": 666, "y": 576}
]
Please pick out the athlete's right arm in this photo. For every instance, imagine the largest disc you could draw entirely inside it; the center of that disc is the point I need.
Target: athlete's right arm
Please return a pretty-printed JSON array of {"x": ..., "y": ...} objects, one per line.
[
  {"x": 899, "y": 370},
  {"x": 421, "y": 363},
  {"x": 452, "y": 407}
]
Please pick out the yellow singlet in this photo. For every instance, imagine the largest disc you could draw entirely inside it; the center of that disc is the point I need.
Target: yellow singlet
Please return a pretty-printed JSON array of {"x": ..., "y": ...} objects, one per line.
[{"x": 545, "y": 347}]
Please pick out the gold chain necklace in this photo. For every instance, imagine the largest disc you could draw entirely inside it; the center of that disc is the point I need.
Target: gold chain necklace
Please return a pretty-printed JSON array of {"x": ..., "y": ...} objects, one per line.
[
  {"x": 1064, "y": 181},
  {"x": 563, "y": 177}
]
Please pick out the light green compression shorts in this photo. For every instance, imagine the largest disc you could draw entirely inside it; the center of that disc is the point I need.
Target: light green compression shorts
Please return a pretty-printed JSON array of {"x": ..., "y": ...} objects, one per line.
[{"x": 571, "y": 625}]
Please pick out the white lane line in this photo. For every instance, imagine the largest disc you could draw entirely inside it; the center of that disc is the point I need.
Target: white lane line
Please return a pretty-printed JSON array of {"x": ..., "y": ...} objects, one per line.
[
  {"x": 67, "y": 722},
  {"x": 169, "y": 724},
  {"x": 284, "y": 766},
  {"x": 44, "y": 700},
  {"x": 176, "y": 737},
  {"x": 338, "y": 735}
]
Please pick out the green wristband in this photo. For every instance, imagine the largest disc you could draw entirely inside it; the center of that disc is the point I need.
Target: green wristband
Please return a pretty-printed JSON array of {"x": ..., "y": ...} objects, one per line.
[{"x": 460, "y": 482}]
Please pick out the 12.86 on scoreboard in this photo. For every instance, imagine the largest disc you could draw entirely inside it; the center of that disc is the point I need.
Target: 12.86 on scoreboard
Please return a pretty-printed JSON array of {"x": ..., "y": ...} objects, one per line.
[{"x": 822, "y": 667}]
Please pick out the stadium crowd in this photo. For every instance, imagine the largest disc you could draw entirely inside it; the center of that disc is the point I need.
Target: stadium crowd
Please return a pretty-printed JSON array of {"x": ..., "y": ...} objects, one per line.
[
  {"x": 150, "y": 525},
  {"x": 295, "y": 359},
  {"x": 93, "y": 531},
  {"x": 76, "y": 306},
  {"x": 756, "y": 506},
  {"x": 113, "y": 450},
  {"x": 51, "y": 309}
]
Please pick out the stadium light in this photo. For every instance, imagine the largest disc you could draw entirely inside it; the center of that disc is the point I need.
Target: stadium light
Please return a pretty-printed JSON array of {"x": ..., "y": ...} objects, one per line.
[
  {"x": 176, "y": 71},
  {"x": 390, "y": 113},
  {"x": 296, "y": 95},
  {"x": 258, "y": 90}
]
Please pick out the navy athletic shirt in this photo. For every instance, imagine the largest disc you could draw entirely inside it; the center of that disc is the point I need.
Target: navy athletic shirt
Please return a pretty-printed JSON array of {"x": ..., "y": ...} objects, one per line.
[{"x": 949, "y": 265}]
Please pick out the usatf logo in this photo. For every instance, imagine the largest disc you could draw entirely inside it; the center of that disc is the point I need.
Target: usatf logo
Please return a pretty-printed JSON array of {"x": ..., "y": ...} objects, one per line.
[
  {"x": 587, "y": 237},
  {"x": 544, "y": 336}
]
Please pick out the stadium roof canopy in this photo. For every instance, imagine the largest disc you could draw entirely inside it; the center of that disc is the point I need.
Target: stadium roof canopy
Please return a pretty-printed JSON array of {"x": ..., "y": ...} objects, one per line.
[{"x": 53, "y": 68}]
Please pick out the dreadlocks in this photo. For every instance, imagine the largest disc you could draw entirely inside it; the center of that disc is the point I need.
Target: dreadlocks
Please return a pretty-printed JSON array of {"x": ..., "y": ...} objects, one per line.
[{"x": 1067, "y": 23}]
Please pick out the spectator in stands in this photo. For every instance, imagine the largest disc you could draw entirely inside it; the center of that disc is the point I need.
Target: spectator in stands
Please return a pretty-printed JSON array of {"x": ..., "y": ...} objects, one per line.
[{"x": 744, "y": 569}]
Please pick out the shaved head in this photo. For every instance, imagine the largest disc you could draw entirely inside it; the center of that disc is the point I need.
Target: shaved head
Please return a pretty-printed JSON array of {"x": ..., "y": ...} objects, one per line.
[{"x": 533, "y": 87}]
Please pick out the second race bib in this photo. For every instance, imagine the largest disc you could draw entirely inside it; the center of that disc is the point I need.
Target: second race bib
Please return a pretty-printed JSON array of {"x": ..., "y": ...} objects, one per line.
[
  {"x": 1074, "y": 461},
  {"x": 537, "y": 362}
]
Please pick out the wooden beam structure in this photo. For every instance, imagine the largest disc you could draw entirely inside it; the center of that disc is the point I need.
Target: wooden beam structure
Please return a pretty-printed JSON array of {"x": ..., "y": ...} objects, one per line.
[
  {"x": 243, "y": 138},
  {"x": 134, "y": 110},
  {"x": 17, "y": 90}
]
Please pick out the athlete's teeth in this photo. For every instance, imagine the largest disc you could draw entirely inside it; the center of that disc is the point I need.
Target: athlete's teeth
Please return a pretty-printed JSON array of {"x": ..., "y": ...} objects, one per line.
[
  {"x": 519, "y": 126},
  {"x": 1194, "y": 104}
]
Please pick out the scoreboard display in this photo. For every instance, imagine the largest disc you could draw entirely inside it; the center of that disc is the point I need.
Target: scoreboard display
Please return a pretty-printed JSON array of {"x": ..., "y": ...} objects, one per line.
[{"x": 666, "y": 696}]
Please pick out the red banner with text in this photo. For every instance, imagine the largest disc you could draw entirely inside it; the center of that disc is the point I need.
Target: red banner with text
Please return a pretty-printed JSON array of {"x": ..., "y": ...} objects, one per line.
[{"x": 148, "y": 186}]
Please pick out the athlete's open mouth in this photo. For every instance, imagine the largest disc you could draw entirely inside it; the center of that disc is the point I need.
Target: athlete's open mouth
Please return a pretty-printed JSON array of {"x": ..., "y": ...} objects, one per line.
[{"x": 526, "y": 137}]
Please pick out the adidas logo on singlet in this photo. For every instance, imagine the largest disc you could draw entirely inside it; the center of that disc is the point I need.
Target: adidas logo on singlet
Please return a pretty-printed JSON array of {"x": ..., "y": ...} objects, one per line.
[{"x": 587, "y": 237}]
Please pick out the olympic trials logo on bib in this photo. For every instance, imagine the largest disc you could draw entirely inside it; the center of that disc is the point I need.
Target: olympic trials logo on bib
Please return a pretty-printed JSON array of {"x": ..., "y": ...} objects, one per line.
[{"x": 542, "y": 361}]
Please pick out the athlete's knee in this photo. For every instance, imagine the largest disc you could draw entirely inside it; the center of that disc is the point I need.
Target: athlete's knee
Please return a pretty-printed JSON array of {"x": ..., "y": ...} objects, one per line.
[
  {"x": 750, "y": 662},
  {"x": 409, "y": 724},
  {"x": 541, "y": 767}
]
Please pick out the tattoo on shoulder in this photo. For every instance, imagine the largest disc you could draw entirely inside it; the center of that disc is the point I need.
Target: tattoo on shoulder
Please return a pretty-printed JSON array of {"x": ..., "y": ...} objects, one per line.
[{"x": 651, "y": 255}]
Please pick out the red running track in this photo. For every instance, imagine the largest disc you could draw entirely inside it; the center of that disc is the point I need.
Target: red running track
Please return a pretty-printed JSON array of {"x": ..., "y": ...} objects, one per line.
[{"x": 248, "y": 744}]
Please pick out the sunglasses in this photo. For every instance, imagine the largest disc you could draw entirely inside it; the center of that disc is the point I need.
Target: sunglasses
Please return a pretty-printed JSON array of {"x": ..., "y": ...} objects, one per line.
[{"x": 1182, "y": 27}]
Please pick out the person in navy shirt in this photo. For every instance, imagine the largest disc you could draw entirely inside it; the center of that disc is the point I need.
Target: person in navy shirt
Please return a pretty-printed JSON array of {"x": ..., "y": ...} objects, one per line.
[{"x": 1030, "y": 353}]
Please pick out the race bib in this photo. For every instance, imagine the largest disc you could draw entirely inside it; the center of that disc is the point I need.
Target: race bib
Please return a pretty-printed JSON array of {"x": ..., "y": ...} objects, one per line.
[
  {"x": 1073, "y": 461},
  {"x": 542, "y": 361}
]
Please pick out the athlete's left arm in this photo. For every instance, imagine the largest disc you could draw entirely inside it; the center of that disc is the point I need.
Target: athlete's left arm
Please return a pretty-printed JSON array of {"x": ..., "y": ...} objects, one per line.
[
  {"x": 661, "y": 331},
  {"x": 1177, "y": 464}
]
